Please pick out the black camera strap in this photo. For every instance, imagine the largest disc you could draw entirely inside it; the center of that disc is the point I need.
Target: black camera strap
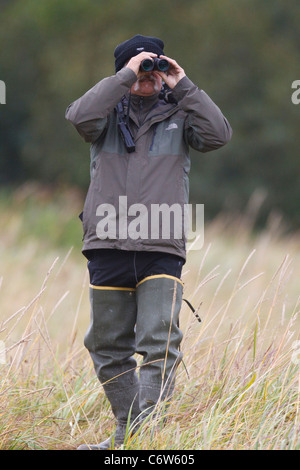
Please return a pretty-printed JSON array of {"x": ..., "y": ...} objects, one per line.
[{"x": 123, "y": 125}]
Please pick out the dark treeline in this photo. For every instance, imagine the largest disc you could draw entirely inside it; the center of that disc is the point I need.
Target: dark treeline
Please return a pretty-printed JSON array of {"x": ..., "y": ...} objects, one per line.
[{"x": 244, "y": 54}]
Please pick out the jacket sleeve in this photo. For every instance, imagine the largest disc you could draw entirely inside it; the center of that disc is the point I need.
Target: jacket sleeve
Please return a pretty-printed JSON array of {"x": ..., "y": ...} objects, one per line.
[
  {"x": 206, "y": 127},
  {"x": 89, "y": 114}
]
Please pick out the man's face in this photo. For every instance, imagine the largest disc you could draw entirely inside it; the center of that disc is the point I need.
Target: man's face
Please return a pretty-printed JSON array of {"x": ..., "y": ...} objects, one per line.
[{"x": 147, "y": 84}]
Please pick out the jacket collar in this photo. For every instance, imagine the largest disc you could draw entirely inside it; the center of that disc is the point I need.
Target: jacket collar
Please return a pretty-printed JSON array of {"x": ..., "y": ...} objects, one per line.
[{"x": 156, "y": 108}]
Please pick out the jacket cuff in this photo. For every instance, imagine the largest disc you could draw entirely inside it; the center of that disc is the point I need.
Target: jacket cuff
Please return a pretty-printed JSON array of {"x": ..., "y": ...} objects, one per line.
[
  {"x": 126, "y": 76},
  {"x": 182, "y": 88}
]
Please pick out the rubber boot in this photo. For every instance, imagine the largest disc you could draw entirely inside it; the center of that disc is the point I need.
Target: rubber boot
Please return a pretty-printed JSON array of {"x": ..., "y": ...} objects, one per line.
[
  {"x": 158, "y": 338},
  {"x": 110, "y": 340}
]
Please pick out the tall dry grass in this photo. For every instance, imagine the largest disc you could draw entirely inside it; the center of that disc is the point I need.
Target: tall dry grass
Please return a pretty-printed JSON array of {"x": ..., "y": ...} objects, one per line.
[{"x": 238, "y": 387}]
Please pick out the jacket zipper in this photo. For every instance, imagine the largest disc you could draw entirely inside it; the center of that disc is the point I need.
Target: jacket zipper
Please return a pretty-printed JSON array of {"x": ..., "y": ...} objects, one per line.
[
  {"x": 153, "y": 136},
  {"x": 141, "y": 105}
]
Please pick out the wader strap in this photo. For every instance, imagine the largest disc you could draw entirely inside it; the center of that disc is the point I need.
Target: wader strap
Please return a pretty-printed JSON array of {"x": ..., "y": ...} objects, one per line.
[{"x": 193, "y": 310}]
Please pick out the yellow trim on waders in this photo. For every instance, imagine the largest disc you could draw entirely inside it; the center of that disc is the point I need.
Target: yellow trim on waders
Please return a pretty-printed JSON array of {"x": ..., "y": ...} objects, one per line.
[{"x": 156, "y": 276}]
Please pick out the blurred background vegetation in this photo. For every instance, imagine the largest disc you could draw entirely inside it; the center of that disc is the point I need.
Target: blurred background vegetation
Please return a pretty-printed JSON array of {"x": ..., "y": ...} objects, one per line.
[{"x": 244, "y": 54}]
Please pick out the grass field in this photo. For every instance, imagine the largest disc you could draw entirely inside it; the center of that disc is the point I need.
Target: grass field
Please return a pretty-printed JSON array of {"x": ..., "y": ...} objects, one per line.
[{"x": 239, "y": 386}]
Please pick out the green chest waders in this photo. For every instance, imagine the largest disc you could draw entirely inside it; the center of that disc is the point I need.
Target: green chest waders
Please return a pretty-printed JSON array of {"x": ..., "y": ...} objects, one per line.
[{"x": 126, "y": 321}]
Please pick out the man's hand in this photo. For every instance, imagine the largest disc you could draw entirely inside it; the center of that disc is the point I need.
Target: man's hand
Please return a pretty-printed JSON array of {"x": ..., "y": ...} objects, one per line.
[
  {"x": 174, "y": 74},
  {"x": 135, "y": 62}
]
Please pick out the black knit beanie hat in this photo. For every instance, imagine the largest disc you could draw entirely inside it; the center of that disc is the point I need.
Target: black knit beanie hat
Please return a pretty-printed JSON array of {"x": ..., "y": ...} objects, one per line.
[{"x": 134, "y": 46}]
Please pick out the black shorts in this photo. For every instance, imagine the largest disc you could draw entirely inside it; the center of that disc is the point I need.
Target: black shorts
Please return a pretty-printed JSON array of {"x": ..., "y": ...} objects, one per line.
[{"x": 120, "y": 268}]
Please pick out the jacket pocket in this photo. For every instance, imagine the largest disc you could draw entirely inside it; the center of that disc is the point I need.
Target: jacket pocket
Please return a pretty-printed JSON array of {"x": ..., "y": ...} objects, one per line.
[{"x": 167, "y": 138}]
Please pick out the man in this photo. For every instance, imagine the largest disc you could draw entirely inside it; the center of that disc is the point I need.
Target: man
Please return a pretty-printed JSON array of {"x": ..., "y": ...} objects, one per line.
[{"x": 140, "y": 125}]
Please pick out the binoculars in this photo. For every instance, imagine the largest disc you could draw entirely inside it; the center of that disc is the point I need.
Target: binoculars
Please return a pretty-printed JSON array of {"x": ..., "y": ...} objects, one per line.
[{"x": 147, "y": 65}]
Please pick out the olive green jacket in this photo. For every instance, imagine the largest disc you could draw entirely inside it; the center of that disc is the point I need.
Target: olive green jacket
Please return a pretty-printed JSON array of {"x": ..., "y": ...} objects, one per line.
[{"x": 155, "y": 174}]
